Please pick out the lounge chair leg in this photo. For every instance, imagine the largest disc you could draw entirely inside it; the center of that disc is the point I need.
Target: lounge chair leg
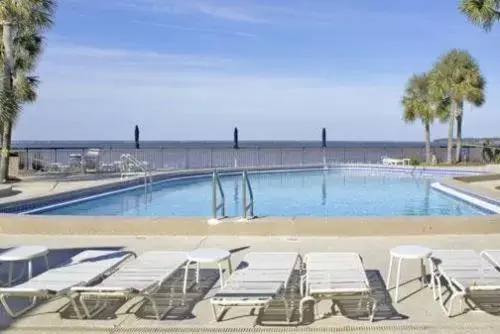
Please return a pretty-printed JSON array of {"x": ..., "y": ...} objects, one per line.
[
  {"x": 72, "y": 299},
  {"x": 434, "y": 277},
  {"x": 302, "y": 303},
  {"x": 433, "y": 286},
  {"x": 288, "y": 311},
  {"x": 84, "y": 306},
  {"x": 13, "y": 314},
  {"x": 373, "y": 309},
  {"x": 214, "y": 312},
  {"x": 447, "y": 311},
  {"x": 155, "y": 307}
]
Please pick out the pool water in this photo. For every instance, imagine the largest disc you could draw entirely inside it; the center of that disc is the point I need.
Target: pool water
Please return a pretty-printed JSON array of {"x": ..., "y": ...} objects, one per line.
[{"x": 306, "y": 193}]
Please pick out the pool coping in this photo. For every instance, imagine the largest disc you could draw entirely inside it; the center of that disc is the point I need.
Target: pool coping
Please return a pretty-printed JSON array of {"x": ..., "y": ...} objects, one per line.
[{"x": 476, "y": 200}]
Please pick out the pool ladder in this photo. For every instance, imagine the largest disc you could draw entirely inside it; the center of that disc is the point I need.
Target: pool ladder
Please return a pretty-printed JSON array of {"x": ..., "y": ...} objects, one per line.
[
  {"x": 246, "y": 209},
  {"x": 216, "y": 206},
  {"x": 247, "y": 201},
  {"x": 148, "y": 176}
]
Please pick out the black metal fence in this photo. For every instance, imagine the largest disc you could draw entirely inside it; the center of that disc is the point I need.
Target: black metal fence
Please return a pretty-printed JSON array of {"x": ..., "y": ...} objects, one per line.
[{"x": 192, "y": 158}]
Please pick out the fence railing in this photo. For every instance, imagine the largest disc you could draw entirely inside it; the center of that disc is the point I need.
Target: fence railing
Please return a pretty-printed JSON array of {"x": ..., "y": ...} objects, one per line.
[{"x": 193, "y": 158}]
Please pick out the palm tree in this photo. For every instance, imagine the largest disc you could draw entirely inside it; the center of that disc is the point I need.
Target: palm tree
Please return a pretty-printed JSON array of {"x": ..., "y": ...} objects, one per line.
[
  {"x": 15, "y": 15},
  {"x": 456, "y": 75},
  {"x": 419, "y": 103},
  {"x": 27, "y": 46},
  {"x": 483, "y": 13}
]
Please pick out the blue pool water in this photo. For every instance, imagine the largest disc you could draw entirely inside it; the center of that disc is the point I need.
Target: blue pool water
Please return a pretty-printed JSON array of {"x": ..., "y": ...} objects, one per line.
[{"x": 307, "y": 193}]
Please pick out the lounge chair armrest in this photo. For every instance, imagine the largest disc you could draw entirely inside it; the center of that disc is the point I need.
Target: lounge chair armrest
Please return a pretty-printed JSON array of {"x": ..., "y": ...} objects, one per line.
[
  {"x": 20, "y": 292},
  {"x": 99, "y": 290}
]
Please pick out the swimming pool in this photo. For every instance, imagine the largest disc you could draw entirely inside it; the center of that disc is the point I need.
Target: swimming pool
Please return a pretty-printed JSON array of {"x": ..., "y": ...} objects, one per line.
[{"x": 292, "y": 193}]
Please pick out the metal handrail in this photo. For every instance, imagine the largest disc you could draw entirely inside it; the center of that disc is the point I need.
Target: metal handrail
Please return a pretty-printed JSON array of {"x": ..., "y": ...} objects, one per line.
[
  {"x": 247, "y": 209},
  {"x": 217, "y": 185},
  {"x": 148, "y": 176}
]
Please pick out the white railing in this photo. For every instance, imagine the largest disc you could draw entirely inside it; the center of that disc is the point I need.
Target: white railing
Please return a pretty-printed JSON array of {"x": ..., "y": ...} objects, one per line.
[
  {"x": 131, "y": 166},
  {"x": 217, "y": 206},
  {"x": 247, "y": 206}
]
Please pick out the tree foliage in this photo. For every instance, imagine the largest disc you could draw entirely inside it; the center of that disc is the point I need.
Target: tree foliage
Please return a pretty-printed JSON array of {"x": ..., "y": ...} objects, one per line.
[{"x": 483, "y": 13}]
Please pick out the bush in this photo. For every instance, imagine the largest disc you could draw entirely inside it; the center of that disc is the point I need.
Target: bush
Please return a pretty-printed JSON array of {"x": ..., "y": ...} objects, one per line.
[{"x": 414, "y": 160}]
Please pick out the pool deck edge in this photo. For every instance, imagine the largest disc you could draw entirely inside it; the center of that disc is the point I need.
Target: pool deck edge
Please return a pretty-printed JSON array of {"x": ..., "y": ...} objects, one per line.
[{"x": 267, "y": 226}]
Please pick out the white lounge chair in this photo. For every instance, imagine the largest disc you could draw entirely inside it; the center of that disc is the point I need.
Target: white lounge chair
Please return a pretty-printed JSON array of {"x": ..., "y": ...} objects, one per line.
[
  {"x": 334, "y": 275},
  {"x": 85, "y": 268},
  {"x": 140, "y": 277},
  {"x": 493, "y": 256},
  {"x": 394, "y": 162},
  {"x": 464, "y": 271},
  {"x": 263, "y": 280}
]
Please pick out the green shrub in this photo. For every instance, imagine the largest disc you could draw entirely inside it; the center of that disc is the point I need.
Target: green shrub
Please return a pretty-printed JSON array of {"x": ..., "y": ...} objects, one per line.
[{"x": 414, "y": 160}]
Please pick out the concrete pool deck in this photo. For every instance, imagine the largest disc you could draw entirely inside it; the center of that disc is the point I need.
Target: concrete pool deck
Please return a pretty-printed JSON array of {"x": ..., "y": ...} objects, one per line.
[{"x": 417, "y": 312}]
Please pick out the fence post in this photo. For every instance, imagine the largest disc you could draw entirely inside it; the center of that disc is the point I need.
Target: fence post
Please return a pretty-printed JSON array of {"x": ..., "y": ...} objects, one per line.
[
  {"x": 27, "y": 162},
  {"x": 211, "y": 158},
  {"x": 187, "y": 158},
  {"x": 163, "y": 160},
  {"x": 302, "y": 158},
  {"x": 281, "y": 157}
]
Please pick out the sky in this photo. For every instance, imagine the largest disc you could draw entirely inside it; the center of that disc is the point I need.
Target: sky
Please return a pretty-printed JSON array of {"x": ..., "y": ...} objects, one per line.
[{"x": 276, "y": 69}]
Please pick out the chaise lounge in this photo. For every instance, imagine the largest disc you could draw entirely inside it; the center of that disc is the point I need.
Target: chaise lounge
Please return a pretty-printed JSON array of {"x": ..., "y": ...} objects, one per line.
[
  {"x": 336, "y": 275},
  {"x": 464, "y": 271},
  {"x": 141, "y": 277},
  {"x": 264, "y": 279},
  {"x": 85, "y": 268}
]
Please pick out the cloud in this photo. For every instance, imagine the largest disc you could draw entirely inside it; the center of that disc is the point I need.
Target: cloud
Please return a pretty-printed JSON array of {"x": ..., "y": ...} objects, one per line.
[
  {"x": 78, "y": 55},
  {"x": 225, "y": 10},
  {"x": 90, "y": 93},
  {"x": 194, "y": 29},
  {"x": 93, "y": 93}
]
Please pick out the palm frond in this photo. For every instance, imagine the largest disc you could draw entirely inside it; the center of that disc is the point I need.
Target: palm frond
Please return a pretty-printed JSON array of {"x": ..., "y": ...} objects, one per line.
[
  {"x": 457, "y": 74},
  {"x": 36, "y": 12},
  {"x": 25, "y": 88},
  {"x": 482, "y": 13},
  {"x": 418, "y": 101},
  {"x": 9, "y": 106}
]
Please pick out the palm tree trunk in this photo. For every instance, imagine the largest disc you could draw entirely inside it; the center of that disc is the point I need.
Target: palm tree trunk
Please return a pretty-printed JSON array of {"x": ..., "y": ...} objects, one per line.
[
  {"x": 7, "y": 86},
  {"x": 449, "y": 156},
  {"x": 427, "y": 142},
  {"x": 459, "y": 116}
]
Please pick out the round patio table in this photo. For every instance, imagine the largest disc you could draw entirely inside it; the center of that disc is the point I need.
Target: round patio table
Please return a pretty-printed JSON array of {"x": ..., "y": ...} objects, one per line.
[
  {"x": 407, "y": 252},
  {"x": 207, "y": 255}
]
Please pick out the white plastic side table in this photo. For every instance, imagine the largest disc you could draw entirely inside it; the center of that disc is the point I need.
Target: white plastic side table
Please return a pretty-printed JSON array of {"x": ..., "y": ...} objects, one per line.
[
  {"x": 407, "y": 252},
  {"x": 23, "y": 253},
  {"x": 207, "y": 255}
]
